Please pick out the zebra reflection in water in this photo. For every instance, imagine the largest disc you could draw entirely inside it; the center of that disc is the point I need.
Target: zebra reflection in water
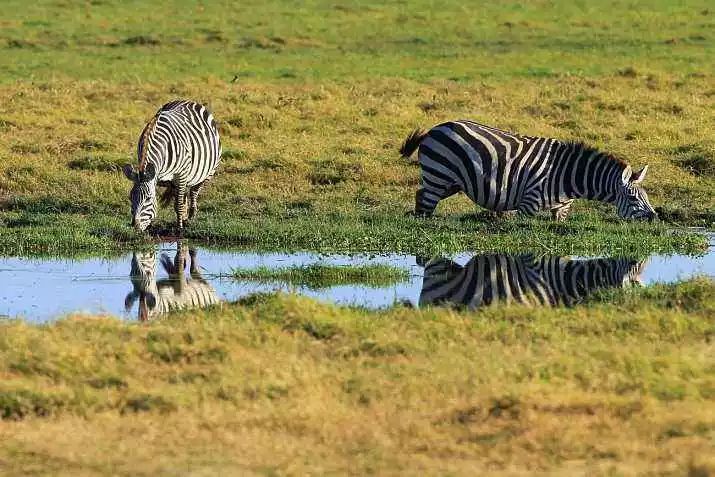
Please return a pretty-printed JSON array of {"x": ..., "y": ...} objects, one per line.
[
  {"x": 177, "y": 292},
  {"x": 523, "y": 279}
]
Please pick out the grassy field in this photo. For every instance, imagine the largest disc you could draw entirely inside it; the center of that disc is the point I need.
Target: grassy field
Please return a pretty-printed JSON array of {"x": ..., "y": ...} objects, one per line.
[
  {"x": 314, "y": 103},
  {"x": 313, "y": 100},
  {"x": 279, "y": 385}
]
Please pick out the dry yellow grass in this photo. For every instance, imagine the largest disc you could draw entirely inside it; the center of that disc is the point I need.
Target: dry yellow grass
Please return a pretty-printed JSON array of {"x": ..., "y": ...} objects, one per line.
[{"x": 283, "y": 385}]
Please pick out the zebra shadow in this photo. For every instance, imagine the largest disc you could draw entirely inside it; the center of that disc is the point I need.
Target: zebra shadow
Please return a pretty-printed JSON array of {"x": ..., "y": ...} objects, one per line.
[
  {"x": 523, "y": 279},
  {"x": 177, "y": 292}
]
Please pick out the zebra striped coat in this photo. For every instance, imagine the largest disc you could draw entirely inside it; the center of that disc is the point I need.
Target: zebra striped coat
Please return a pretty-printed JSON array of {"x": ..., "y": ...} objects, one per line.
[
  {"x": 501, "y": 171},
  {"x": 179, "y": 149},
  {"x": 523, "y": 279},
  {"x": 158, "y": 297}
]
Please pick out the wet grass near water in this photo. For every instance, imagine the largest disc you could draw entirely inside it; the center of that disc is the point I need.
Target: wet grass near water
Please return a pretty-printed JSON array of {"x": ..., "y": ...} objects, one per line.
[
  {"x": 323, "y": 276},
  {"x": 586, "y": 234}
]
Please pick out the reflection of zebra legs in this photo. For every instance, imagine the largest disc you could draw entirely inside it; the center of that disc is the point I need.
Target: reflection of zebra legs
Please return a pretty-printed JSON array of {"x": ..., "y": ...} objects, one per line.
[
  {"x": 180, "y": 293},
  {"x": 193, "y": 267},
  {"x": 175, "y": 269},
  {"x": 157, "y": 297}
]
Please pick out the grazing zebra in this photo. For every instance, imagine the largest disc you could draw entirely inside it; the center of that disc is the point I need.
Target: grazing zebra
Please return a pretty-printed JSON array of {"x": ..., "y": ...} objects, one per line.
[
  {"x": 178, "y": 149},
  {"x": 158, "y": 297},
  {"x": 501, "y": 172},
  {"x": 523, "y": 279}
]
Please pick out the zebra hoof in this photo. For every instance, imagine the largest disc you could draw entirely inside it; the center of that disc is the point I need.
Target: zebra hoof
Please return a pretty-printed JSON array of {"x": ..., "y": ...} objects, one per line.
[{"x": 417, "y": 215}]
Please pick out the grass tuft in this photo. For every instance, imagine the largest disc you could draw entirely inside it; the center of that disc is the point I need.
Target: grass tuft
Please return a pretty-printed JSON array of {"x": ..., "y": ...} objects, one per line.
[{"x": 323, "y": 276}]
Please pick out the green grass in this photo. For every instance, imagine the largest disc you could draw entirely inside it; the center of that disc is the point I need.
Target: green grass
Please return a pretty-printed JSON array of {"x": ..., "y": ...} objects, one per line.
[
  {"x": 312, "y": 125},
  {"x": 615, "y": 387},
  {"x": 586, "y": 233},
  {"x": 323, "y": 276},
  {"x": 318, "y": 40}
]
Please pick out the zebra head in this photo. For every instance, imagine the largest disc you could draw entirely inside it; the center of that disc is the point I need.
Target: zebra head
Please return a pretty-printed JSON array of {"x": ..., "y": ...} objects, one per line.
[
  {"x": 633, "y": 272},
  {"x": 143, "y": 278},
  {"x": 631, "y": 200},
  {"x": 142, "y": 195}
]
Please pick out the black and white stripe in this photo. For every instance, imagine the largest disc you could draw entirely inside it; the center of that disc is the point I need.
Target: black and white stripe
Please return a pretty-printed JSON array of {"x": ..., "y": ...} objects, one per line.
[
  {"x": 179, "y": 149},
  {"x": 523, "y": 279},
  {"x": 177, "y": 292},
  {"x": 501, "y": 171}
]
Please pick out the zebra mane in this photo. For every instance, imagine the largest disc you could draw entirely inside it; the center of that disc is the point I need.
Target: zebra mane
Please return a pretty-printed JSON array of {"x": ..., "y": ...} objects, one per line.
[
  {"x": 589, "y": 150},
  {"x": 146, "y": 136}
]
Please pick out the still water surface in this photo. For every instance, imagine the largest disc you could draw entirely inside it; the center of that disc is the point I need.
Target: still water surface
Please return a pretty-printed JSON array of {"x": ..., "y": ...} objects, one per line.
[{"x": 145, "y": 285}]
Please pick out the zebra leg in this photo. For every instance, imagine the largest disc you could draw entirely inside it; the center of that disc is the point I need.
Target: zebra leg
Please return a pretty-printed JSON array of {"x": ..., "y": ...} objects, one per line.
[
  {"x": 561, "y": 211},
  {"x": 180, "y": 203},
  {"x": 193, "y": 196},
  {"x": 531, "y": 203},
  {"x": 427, "y": 199}
]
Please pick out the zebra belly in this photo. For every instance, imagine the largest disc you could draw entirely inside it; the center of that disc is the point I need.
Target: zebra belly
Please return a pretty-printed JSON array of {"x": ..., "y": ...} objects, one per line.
[
  {"x": 497, "y": 206},
  {"x": 478, "y": 193},
  {"x": 170, "y": 176}
]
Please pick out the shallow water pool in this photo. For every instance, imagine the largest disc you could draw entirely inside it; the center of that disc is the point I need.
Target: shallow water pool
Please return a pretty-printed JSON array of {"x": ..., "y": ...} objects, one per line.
[{"x": 144, "y": 285}]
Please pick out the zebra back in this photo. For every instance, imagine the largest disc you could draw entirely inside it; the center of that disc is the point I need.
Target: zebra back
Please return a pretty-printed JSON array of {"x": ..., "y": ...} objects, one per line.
[{"x": 181, "y": 139}]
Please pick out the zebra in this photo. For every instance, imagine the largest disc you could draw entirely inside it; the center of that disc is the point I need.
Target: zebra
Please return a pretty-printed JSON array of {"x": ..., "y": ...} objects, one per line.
[
  {"x": 523, "y": 279},
  {"x": 502, "y": 172},
  {"x": 179, "y": 149},
  {"x": 158, "y": 297}
]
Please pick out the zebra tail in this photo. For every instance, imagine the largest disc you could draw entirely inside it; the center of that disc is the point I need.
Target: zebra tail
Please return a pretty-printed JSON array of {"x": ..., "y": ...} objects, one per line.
[
  {"x": 167, "y": 197},
  {"x": 412, "y": 142}
]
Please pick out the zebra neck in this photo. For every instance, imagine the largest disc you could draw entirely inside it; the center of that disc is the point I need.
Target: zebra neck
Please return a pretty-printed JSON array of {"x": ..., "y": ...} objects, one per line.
[{"x": 583, "y": 172}]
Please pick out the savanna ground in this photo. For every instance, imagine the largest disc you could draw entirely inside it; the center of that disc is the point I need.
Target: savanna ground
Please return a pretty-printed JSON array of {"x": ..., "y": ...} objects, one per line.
[{"x": 314, "y": 99}]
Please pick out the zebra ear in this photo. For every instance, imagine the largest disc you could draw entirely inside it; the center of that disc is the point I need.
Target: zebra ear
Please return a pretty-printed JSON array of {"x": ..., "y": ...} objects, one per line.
[
  {"x": 626, "y": 176},
  {"x": 129, "y": 172},
  {"x": 149, "y": 172},
  {"x": 638, "y": 177}
]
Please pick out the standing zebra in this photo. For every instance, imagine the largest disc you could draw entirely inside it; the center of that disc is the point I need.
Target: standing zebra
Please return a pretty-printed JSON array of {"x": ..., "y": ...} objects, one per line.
[
  {"x": 501, "y": 171},
  {"x": 524, "y": 279},
  {"x": 178, "y": 149},
  {"x": 157, "y": 297}
]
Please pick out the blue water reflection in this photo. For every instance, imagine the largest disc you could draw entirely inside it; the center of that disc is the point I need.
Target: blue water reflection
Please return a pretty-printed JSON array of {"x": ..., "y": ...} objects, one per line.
[{"x": 41, "y": 290}]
